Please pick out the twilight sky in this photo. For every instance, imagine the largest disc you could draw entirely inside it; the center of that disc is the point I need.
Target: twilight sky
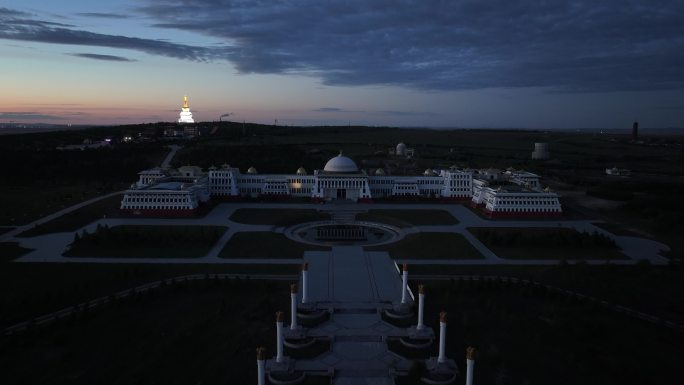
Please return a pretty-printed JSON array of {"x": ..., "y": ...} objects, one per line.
[{"x": 449, "y": 63}]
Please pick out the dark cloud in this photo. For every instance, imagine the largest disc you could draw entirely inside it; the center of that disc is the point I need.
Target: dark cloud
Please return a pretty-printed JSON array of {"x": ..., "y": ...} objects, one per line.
[
  {"x": 103, "y": 15},
  {"x": 101, "y": 57},
  {"x": 20, "y": 26},
  {"x": 27, "y": 116},
  {"x": 577, "y": 45},
  {"x": 564, "y": 46},
  {"x": 6, "y": 12}
]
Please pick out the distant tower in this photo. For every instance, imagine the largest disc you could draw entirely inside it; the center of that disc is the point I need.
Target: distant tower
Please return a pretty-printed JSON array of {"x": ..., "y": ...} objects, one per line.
[
  {"x": 635, "y": 130},
  {"x": 185, "y": 115},
  {"x": 541, "y": 151}
]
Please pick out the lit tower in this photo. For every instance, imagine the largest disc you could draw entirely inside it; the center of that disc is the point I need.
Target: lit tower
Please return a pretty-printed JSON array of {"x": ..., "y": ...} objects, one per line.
[{"x": 185, "y": 115}]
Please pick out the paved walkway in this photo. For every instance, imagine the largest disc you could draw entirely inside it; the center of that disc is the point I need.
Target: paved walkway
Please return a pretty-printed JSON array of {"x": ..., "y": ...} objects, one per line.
[
  {"x": 48, "y": 248},
  {"x": 166, "y": 163},
  {"x": 355, "y": 286}
]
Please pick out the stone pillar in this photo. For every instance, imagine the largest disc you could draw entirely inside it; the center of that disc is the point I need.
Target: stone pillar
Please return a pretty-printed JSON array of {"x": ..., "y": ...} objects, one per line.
[
  {"x": 261, "y": 366},
  {"x": 421, "y": 307},
  {"x": 470, "y": 364},
  {"x": 279, "y": 336},
  {"x": 404, "y": 283},
  {"x": 442, "y": 337},
  {"x": 305, "y": 271},
  {"x": 293, "y": 306}
]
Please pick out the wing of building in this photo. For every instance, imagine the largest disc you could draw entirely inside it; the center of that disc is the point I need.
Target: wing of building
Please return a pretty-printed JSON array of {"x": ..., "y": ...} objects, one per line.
[{"x": 182, "y": 192}]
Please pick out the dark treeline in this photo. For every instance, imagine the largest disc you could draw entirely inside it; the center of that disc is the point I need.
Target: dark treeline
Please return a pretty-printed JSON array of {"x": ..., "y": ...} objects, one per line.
[
  {"x": 118, "y": 164},
  {"x": 265, "y": 158}
]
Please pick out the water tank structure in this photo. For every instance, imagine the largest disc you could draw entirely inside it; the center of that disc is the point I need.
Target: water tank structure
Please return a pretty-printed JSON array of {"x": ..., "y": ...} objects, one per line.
[
  {"x": 400, "y": 150},
  {"x": 541, "y": 151}
]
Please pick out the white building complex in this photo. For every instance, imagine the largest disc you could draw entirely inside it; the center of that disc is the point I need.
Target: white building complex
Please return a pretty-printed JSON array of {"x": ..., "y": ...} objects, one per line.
[{"x": 181, "y": 192}]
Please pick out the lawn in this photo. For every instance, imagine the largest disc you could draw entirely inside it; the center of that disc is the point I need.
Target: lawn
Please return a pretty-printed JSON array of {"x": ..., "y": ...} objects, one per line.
[
  {"x": 546, "y": 243},
  {"x": 76, "y": 219},
  {"x": 32, "y": 289},
  {"x": 430, "y": 246},
  {"x": 11, "y": 250},
  {"x": 201, "y": 332},
  {"x": 617, "y": 229},
  {"x": 6, "y": 229},
  {"x": 129, "y": 241},
  {"x": 531, "y": 336},
  {"x": 408, "y": 218},
  {"x": 277, "y": 217},
  {"x": 265, "y": 245}
]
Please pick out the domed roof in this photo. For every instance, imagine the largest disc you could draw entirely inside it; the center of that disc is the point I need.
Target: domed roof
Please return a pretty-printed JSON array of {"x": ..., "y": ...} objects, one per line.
[
  {"x": 401, "y": 149},
  {"x": 251, "y": 170},
  {"x": 379, "y": 172},
  {"x": 401, "y": 146},
  {"x": 429, "y": 172},
  {"x": 301, "y": 171},
  {"x": 340, "y": 164}
]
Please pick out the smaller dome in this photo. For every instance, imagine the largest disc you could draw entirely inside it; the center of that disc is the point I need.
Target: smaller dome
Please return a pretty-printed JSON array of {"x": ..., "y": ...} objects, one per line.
[
  {"x": 428, "y": 172},
  {"x": 251, "y": 170},
  {"x": 301, "y": 171},
  {"x": 379, "y": 172},
  {"x": 401, "y": 149}
]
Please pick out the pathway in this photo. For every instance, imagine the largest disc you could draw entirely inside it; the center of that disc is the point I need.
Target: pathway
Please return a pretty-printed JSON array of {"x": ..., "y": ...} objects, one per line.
[
  {"x": 167, "y": 161},
  {"x": 355, "y": 287},
  {"x": 48, "y": 248}
]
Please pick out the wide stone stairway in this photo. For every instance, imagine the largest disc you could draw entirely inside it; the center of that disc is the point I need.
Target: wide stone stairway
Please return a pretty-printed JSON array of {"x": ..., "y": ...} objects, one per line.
[{"x": 354, "y": 288}]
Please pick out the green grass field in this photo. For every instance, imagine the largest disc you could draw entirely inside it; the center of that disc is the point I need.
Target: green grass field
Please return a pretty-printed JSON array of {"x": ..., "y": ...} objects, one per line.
[
  {"x": 546, "y": 243},
  {"x": 430, "y": 246},
  {"x": 408, "y": 218},
  {"x": 11, "y": 250},
  {"x": 265, "y": 245},
  {"x": 76, "y": 219},
  {"x": 198, "y": 332},
  {"x": 277, "y": 217},
  {"x": 132, "y": 241},
  {"x": 529, "y": 336},
  {"x": 617, "y": 229},
  {"x": 33, "y": 289}
]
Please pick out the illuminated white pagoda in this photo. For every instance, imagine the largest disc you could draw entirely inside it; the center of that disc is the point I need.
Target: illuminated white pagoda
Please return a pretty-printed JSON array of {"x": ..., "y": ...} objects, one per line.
[{"x": 185, "y": 115}]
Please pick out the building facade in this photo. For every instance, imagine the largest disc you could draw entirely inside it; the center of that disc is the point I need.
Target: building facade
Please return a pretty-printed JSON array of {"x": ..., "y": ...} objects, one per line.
[{"x": 181, "y": 192}]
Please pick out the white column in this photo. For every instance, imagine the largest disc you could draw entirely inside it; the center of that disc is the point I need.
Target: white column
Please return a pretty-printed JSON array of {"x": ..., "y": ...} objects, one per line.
[
  {"x": 470, "y": 364},
  {"x": 404, "y": 283},
  {"x": 421, "y": 307},
  {"x": 279, "y": 336},
  {"x": 442, "y": 337},
  {"x": 261, "y": 367},
  {"x": 305, "y": 271},
  {"x": 293, "y": 306}
]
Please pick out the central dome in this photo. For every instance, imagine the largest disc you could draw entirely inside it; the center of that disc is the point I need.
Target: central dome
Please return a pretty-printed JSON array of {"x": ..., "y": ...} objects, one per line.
[{"x": 340, "y": 163}]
